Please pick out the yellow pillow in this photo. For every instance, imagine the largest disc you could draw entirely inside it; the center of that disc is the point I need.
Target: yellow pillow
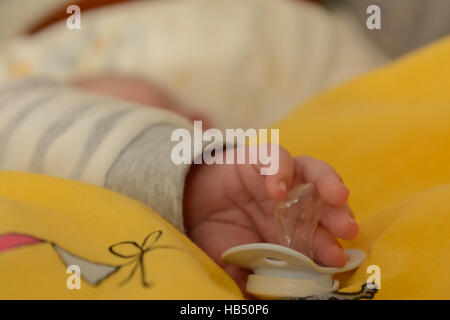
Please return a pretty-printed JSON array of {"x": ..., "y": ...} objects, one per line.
[
  {"x": 48, "y": 224},
  {"x": 388, "y": 135}
]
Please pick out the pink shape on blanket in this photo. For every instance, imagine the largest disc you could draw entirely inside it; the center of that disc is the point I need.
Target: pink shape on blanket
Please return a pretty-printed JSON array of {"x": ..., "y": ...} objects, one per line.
[{"x": 14, "y": 240}]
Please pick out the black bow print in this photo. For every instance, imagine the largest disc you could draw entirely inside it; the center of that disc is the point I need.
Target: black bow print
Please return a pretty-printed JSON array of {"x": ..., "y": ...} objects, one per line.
[{"x": 138, "y": 258}]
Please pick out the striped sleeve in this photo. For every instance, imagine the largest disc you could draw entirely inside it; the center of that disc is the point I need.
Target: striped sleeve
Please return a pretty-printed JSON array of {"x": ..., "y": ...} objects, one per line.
[{"x": 50, "y": 128}]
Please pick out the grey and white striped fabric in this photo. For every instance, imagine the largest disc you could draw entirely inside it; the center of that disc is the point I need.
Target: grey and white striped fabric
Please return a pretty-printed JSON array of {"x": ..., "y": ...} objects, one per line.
[{"x": 50, "y": 128}]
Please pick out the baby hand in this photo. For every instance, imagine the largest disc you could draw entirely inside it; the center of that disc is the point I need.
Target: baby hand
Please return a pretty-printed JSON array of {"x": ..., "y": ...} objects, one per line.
[{"x": 226, "y": 205}]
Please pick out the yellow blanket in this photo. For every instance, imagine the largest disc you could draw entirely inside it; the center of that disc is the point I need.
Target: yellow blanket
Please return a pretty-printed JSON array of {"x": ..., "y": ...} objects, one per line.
[
  {"x": 388, "y": 134},
  {"x": 122, "y": 248}
]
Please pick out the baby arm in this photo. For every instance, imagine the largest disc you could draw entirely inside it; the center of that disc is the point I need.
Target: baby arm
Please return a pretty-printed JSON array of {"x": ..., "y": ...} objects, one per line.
[{"x": 50, "y": 128}]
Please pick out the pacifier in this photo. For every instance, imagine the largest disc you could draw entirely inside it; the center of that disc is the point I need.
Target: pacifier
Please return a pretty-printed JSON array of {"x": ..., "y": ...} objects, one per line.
[{"x": 287, "y": 270}]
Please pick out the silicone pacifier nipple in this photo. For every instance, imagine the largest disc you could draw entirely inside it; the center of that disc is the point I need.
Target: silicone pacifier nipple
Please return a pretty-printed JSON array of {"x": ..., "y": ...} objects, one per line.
[{"x": 298, "y": 216}]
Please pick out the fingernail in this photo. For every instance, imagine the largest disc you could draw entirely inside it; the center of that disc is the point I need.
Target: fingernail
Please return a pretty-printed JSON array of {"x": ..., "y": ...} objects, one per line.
[
  {"x": 352, "y": 215},
  {"x": 345, "y": 186},
  {"x": 283, "y": 186},
  {"x": 340, "y": 253},
  {"x": 351, "y": 220}
]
